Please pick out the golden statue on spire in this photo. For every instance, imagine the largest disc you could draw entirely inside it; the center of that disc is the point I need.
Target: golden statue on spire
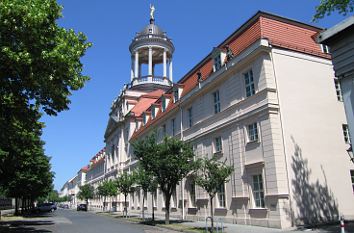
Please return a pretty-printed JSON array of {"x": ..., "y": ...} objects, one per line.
[{"x": 152, "y": 10}]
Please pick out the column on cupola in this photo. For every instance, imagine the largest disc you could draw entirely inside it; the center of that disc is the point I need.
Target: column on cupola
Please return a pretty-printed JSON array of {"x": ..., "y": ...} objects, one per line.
[
  {"x": 150, "y": 62},
  {"x": 170, "y": 70},
  {"x": 132, "y": 68},
  {"x": 136, "y": 64},
  {"x": 164, "y": 63}
]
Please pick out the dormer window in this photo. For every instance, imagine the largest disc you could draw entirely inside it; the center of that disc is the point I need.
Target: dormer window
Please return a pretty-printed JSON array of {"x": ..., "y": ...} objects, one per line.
[
  {"x": 152, "y": 112},
  {"x": 163, "y": 104},
  {"x": 217, "y": 63},
  {"x": 144, "y": 118},
  {"x": 324, "y": 48},
  {"x": 175, "y": 95}
]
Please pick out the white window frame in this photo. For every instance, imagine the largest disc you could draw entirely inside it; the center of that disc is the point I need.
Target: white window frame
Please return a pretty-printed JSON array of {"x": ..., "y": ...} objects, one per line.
[
  {"x": 163, "y": 104},
  {"x": 192, "y": 196},
  {"x": 153, "y": 112},
  {"x": 352, "y": 178},
  {"x": 216, "y": 100},
  {"x": 249, "y": 83},
  {"x": 325, "y": 49},
  {"x": 217, "y": 62},
  {"x": 217, "y": 145},
  {"x": 252, "y": 132},
  {"x": 346, "y": 134},
  {"x": 338, "y": 90},
  {"x": 221, "y": 196},
  {"x": 258, "y": 188},
  {"x": 175, "y": 95}
]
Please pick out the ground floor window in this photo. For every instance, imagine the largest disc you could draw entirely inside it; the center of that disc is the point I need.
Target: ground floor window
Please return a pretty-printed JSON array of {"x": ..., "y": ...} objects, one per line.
[
  {"x": 221, "y": 196},
  {"x": 258, "y": 191},
  {"x": 192, "y": 193}
]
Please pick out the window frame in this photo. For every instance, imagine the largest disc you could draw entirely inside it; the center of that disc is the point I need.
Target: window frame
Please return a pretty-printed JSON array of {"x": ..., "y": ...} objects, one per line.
[
  {"x": 252, "y": 132},
  {"x": 338, "y": 90},
  {"x": 325, "y": 49},
  {"x": 248, "y": 78},
  {"x": 175, "y": 95},
  {"x": 163, "y": 104},
  {"x": 218, "y": 145},
  {"x": 258, "y": 202},
  {"x": 216, "y": 101},
  {"x": 217, "y": 62},
  {"x": 352, "y": 178},
  {"x": 221, "y": 196},
  {"x": 346, "y": 134},
  {"x": 190, "y": 117},
  {"x": 192, "y": 195},
  {"x": 173, "y": 126}
]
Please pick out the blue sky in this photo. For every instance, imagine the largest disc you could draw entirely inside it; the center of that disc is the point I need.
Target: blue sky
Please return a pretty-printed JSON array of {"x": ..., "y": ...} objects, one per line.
[{"x": 195, "y": 27}]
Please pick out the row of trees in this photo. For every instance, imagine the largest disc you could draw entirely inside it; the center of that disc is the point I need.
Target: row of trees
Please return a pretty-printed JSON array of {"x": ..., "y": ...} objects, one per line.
[
  {"x": 40, "y": 67},
  {"x": 164, "y": 165}
]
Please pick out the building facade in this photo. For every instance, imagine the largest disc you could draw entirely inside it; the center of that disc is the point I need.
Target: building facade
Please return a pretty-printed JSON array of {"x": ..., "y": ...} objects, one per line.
[{"x": 265, "y": 101}]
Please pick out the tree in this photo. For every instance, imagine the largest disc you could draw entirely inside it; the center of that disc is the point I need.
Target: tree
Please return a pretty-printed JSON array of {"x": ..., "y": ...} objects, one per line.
[
  {"x": 211, "y": 175},
  {"x": 326, "y": 7},
  {"x": 107, "y": 189},
  {"x": 147, "y": 183},
  {"x": 169, "y": 162},
  {"x": 125, "y": 184},
  {"x": 86, "y": 192}
]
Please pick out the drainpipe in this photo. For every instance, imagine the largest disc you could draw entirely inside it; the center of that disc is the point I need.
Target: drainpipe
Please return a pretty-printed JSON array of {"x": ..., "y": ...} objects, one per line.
[{"x": 182, "y": 185}]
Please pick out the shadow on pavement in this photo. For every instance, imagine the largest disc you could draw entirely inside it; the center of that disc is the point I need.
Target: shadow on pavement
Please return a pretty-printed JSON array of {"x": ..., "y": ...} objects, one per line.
[{"x": 24, "y": 226}]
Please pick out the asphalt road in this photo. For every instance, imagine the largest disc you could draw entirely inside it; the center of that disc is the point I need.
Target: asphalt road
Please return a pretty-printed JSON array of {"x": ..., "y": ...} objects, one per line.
[{"x": 70, "y": 221}]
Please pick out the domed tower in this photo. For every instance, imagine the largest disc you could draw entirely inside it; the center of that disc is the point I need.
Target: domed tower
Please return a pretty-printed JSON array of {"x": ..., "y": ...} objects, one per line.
[{"x": 151, "y": 51}]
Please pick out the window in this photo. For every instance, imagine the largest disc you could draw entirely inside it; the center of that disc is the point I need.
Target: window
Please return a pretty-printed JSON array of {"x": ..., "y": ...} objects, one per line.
[
  {"x": 221, "y": 196},
  {"x": 218, "y": 145},
  {"x": 155, "y": 199},
  {"x": 338, "y": 90},
  {"x": 249, "y": 84},
  {"x": 346, "y": 134},
  {"x": 258, "y": 192},
  {"x": 175, "y": 95},
  {"x": 164, "y": 130},
  {"x": 352, "y": 177},
  {"x": 324, "y": 48},
  {"x": 144, "y": 118},
  {"x": 190, "y": 117},
  {"x": 152, "y": 112},
  {"x": 112, "y": 153},
  {"x": 173, "y": 126},
  {"x": 217, "y": 62},
  {"x": 216, "y": 97},
  {"x": 192, "y": 194},
  {"x": 163, "y": 104},
  {"x": 174, "y": 199},
  {"x": 252, "y": 132}
]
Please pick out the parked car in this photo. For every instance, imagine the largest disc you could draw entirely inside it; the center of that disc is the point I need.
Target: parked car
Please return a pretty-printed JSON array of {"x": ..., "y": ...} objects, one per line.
[
  {"x": 82, "y": 207},
  {"x": 46, "y": 207}
]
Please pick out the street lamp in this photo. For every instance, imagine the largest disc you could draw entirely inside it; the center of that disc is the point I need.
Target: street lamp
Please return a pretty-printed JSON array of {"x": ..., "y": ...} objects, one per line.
[{"x": 350, "y": 153}]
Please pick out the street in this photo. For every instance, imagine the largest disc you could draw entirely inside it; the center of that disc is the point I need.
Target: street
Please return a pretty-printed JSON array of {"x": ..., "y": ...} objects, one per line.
[{"x": 70, "y": 221}]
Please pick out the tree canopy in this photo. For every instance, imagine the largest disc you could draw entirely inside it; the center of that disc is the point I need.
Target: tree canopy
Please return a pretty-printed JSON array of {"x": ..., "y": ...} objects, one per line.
[
  {"x": 169, "y": 162},
  {"x": 326, "y": 7},
  {"x": 86, "y": 192},
  {"x": 125, "y": 184}
]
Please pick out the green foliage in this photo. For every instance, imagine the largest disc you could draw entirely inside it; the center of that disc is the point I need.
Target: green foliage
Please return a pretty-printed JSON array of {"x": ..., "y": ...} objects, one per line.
[
  {"x": 169, "y": 162},
  {"x": 86, "y": 192},
  {"x": 211, "y": 174},
  {"x": 326, "y": 7},
  {"x": 107, "y": 188},
  {"x": 125, "y": 184},
  {"x": 146, "y": 180}
]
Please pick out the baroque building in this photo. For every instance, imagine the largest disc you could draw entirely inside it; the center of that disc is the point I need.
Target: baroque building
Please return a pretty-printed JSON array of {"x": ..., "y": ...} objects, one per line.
[{"x": 265, "y": 101}]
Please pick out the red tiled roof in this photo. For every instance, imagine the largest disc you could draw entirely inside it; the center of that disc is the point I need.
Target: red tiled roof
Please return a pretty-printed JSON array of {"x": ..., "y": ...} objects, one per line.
[
  {"x": 280, "y": 32},
  {"x": 145, "y": 101},
  {"x": 85, "y": 168}
]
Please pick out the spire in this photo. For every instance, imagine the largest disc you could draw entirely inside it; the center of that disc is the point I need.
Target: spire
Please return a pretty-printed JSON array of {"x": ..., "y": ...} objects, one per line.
[{"x": 152, "y": 11}]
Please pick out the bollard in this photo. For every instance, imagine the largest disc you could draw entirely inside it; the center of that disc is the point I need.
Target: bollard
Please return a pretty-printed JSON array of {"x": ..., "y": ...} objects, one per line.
[{"x": 342, "y": 225}]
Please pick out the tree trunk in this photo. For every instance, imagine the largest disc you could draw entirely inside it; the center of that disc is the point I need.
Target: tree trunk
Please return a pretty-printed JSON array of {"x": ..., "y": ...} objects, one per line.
[
  {"x": 125, "y": 205},
  {"x": 143, "y": 210},
  {"x": 211, "y": 213},
  {"x": 167, "y": 209},
  {"x": 87, "y": 204},
  {"x": 104, "y": 203},
  {"x": 152, "y": 206}
]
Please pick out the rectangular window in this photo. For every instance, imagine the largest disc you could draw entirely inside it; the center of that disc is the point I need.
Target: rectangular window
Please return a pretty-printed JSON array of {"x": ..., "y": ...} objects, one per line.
[
  {"x": 175, "y": 95},
  {"x": 252, "y": 132},
  {"x": 173, "y": 126},
  {"x": 352, "y": 177},
  {"x": 258, "y": 191},
  {"x": 164, "y": 132},
  {"x": 144, "y": 118},
  {"x": 112, "y": 153},
  {"x": 174, "y": 199},
  {"x": 216, "y": 98},
  {"x": 152, "y": 112},
  {"x": 163, "y": 105},
  {"x": 221, "y": 196},
  {"x": 346, "y": 133},
  {"x": 218, "y": 145},
  {"x": 155, "y": 199},
  {"x": 217, "y": 62},
  {"x": 192, "y": 194},
  {"x": 249, "y": 83},
  {"x": 338, "y": 90},
  {"x": 190, "y": 117}
]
